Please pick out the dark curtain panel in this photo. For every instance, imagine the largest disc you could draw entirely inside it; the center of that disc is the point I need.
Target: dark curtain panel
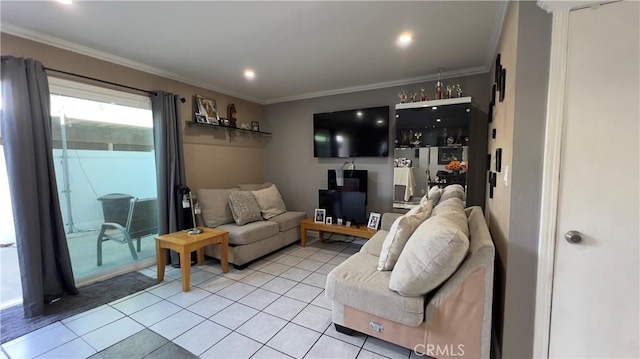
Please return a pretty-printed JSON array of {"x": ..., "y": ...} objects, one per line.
[
  {"x": 45, "y": 265},
  {"x": 167, "y": 135}
]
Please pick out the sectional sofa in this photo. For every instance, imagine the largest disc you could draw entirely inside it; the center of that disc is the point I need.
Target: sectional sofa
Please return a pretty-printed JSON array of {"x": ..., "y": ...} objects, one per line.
[{"x": 432, "y": 293}]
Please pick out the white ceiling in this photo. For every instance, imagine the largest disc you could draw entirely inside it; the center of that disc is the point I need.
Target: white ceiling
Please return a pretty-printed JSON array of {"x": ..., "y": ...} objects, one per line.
[{"x": 298, "y": 49}]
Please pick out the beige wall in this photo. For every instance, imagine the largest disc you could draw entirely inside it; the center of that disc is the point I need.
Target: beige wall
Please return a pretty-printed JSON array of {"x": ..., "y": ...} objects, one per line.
[
  {"x": 497, "y": 209},
  {"x": 514, "y": 212},
  {"x": 213, "y": 159}
]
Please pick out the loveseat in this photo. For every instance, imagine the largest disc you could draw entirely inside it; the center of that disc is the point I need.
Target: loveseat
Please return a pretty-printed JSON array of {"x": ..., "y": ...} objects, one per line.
[
  {"x": 251, "y": 234},
  {"x": 436, "y": 299}
]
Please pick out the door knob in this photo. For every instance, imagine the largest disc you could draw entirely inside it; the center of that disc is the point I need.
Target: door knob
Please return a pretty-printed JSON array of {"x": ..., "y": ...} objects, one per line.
[{"x": 573, "y": 237}]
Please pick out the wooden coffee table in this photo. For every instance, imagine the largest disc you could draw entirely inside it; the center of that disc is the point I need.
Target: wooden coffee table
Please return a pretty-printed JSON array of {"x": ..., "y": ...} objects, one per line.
[
  {"x": 308, "y": 224},
  {"x": 184, "y": 244}
]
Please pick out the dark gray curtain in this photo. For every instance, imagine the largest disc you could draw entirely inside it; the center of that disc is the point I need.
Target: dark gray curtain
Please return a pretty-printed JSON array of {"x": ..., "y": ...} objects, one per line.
[
  {"x": 167, "y": 134},
  {"x": 45, "y": 265}
]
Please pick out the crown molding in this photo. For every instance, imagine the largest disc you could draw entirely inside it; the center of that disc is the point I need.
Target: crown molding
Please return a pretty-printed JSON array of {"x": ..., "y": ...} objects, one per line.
[
  {"x": 410, "y": 81},
  {"x": 553, "y": 5},
  {"x": 101, "y": 55}
]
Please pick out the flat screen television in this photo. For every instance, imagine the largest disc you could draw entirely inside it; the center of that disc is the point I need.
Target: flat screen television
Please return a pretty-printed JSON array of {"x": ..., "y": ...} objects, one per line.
[
  {"x": 353, "y": 133},
  {"x": 341, "y": 204}
]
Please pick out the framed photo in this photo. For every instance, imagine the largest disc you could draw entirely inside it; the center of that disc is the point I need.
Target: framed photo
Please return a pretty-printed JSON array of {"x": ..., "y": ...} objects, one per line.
[
  {"x": 374, "y": 220},
  {"x": 255, "y": 126},
  {"x": 207, "y": 107},
  {"x": 339, "y": 221},
  {"x": 201, "y": 118},
  {"x": 319, "y": 215},
  {"x": 503, "y": 83},
  {"x": 329, "y": 220},
  {"x": 448, "y": 154}
]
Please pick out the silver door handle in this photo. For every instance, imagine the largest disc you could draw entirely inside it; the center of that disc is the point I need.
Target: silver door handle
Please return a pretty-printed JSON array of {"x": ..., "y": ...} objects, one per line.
[{"x": 573, "y": 237}]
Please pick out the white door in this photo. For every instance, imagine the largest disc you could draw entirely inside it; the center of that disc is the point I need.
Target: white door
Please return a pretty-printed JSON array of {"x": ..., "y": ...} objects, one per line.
[{"x": 595, "y": 300}]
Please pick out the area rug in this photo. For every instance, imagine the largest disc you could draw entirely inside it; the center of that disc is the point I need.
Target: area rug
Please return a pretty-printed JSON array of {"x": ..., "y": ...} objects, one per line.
[{"x": 13, "y": 324}]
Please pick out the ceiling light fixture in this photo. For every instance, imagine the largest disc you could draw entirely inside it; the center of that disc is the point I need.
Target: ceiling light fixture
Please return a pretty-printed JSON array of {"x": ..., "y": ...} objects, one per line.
[
  {"x": 359, "y": 113},
  {"x": 438, "y": 120},
  {"x": 404, "y": 39},
  {"x": 434, "y": 108},
  {"x": 66, "y": 2},
  {"x": 249, "y": 74}
]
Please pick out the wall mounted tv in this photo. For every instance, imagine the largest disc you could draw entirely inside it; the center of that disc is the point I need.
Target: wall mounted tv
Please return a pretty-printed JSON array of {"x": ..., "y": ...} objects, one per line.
[{"x": 353, "y": 133}]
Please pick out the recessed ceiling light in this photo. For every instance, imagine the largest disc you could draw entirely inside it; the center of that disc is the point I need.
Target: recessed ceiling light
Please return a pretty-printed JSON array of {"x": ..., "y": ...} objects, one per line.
[
  {"x": 404, "y": 39},
  {"x": 438, "y": 120},
  {"x": 380, "y": 121},
  {"x": 434, "y": 108},
  {"x": 249, "y": 74},
  {"x": 66, "y": 2},
  {"x": 359, "y": 113}
]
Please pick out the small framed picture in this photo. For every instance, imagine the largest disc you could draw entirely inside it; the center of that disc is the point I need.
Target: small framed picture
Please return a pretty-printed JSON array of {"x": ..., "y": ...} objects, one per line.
[
  {"x": 319, "y": 215},
  {"x": 374, "y": 220},
  {"x": 201, "y": 118},
  {"x": 207, "y": 107},
  {"x": 255, "y": 126},
  {"x": 339, "y": 221},
  {"x": 329, "y": 220}
]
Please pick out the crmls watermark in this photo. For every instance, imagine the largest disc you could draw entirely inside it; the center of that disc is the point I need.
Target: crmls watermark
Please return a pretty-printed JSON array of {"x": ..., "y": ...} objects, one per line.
[{"x": 436, "y": 350}]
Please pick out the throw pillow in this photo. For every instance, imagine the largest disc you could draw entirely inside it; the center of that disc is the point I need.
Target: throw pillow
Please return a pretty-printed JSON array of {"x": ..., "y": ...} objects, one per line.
[
  {"x": 270, "y": 202},
  {"x": 432, "y": 254},
  {"x": 453, "y": 191},
  {"x": 215, "y": 206},
  {"x": 434, "y": 194},
  {"x": 399, "y": 233},
  {"x": 244, "y": 207}
]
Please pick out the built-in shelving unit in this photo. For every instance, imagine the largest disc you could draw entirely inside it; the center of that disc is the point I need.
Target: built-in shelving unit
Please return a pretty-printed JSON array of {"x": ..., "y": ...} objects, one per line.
[{"x": 198, "y": 124}]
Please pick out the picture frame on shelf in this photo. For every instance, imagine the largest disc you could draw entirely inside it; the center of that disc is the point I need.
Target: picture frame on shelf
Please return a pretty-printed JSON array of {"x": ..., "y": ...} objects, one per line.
[
  {"x": 208, "y": 108},
  {"x": 448, "y": 154},
  {"x": 201, "y": 118},
  {"x": 255, "y": 126},
  {"x": 329, "y": 220},
  {"x": 319, "y": 215},
  {"x": 374, "y": 220}
]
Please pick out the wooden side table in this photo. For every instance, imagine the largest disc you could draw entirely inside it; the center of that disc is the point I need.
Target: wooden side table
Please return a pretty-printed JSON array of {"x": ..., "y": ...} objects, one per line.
[
  {"x": 310, "y": 224},
  {"x": 184, "y": 244}
]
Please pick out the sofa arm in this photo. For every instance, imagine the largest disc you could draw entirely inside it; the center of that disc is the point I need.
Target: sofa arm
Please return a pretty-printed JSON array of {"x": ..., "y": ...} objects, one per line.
[{"x": 388, "y": 219}]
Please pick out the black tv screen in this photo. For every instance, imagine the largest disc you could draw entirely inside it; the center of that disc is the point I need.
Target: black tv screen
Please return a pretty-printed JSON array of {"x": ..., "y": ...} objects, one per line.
[
  {"x": 353, "y": 133},
  {"x": 348, "y": 205}
]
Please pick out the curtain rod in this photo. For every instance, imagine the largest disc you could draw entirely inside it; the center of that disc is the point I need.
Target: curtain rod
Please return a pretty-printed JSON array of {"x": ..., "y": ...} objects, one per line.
[{"x": 102, "y": 81}]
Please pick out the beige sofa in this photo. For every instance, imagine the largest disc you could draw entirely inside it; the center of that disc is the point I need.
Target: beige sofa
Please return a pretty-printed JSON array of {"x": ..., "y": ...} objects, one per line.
[
  {"x": 249, "y": 241},
  {"x": 452, "y": 320}
]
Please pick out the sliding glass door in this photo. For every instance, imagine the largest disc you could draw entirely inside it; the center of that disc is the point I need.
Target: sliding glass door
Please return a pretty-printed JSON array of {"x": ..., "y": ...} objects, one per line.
[{"x": 105, "y": 168}]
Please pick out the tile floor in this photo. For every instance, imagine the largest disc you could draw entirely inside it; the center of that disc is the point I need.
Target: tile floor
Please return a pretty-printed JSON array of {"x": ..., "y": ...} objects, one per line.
[{"x": 276, "y": 308}]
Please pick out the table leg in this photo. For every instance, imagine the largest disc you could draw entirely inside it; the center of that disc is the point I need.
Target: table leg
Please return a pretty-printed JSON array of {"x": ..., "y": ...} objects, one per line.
[
  {"x": 303, "y": 235},
  {"x": 185, "y": 268},
  {"x": 321, "y": 233},
  {"x": 224, "y": 253},
  {"x": 160, "y": 261},
  {"x": 200, "y": 252}
]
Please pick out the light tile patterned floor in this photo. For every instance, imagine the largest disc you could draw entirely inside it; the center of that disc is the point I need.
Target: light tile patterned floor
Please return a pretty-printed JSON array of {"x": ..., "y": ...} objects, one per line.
[{"x": 276, "y": 308}]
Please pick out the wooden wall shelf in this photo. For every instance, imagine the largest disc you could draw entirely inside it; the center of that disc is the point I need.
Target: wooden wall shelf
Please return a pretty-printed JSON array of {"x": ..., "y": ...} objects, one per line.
[{"x": 261, "y": 133}]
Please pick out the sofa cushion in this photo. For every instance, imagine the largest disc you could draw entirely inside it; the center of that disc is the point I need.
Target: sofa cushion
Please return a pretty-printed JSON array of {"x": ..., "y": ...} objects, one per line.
[
  {"x": 453, "y": 191},
  {"x": 398, "y": 236},
  {"x": 254, "y": 186},
  {"x": 250, "y": 233},
  {"x": 374, "y": 245},
  {"x": 432, "y": 254},
  {"x": 244, "y": 207},
  {"x": 289, "y": 220},
  {"x": 356, "y": 283},
  {"x": 454, "y": 208},
  {"x": 270, "y": 202},
  {"x": 215, "y": 206}
]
